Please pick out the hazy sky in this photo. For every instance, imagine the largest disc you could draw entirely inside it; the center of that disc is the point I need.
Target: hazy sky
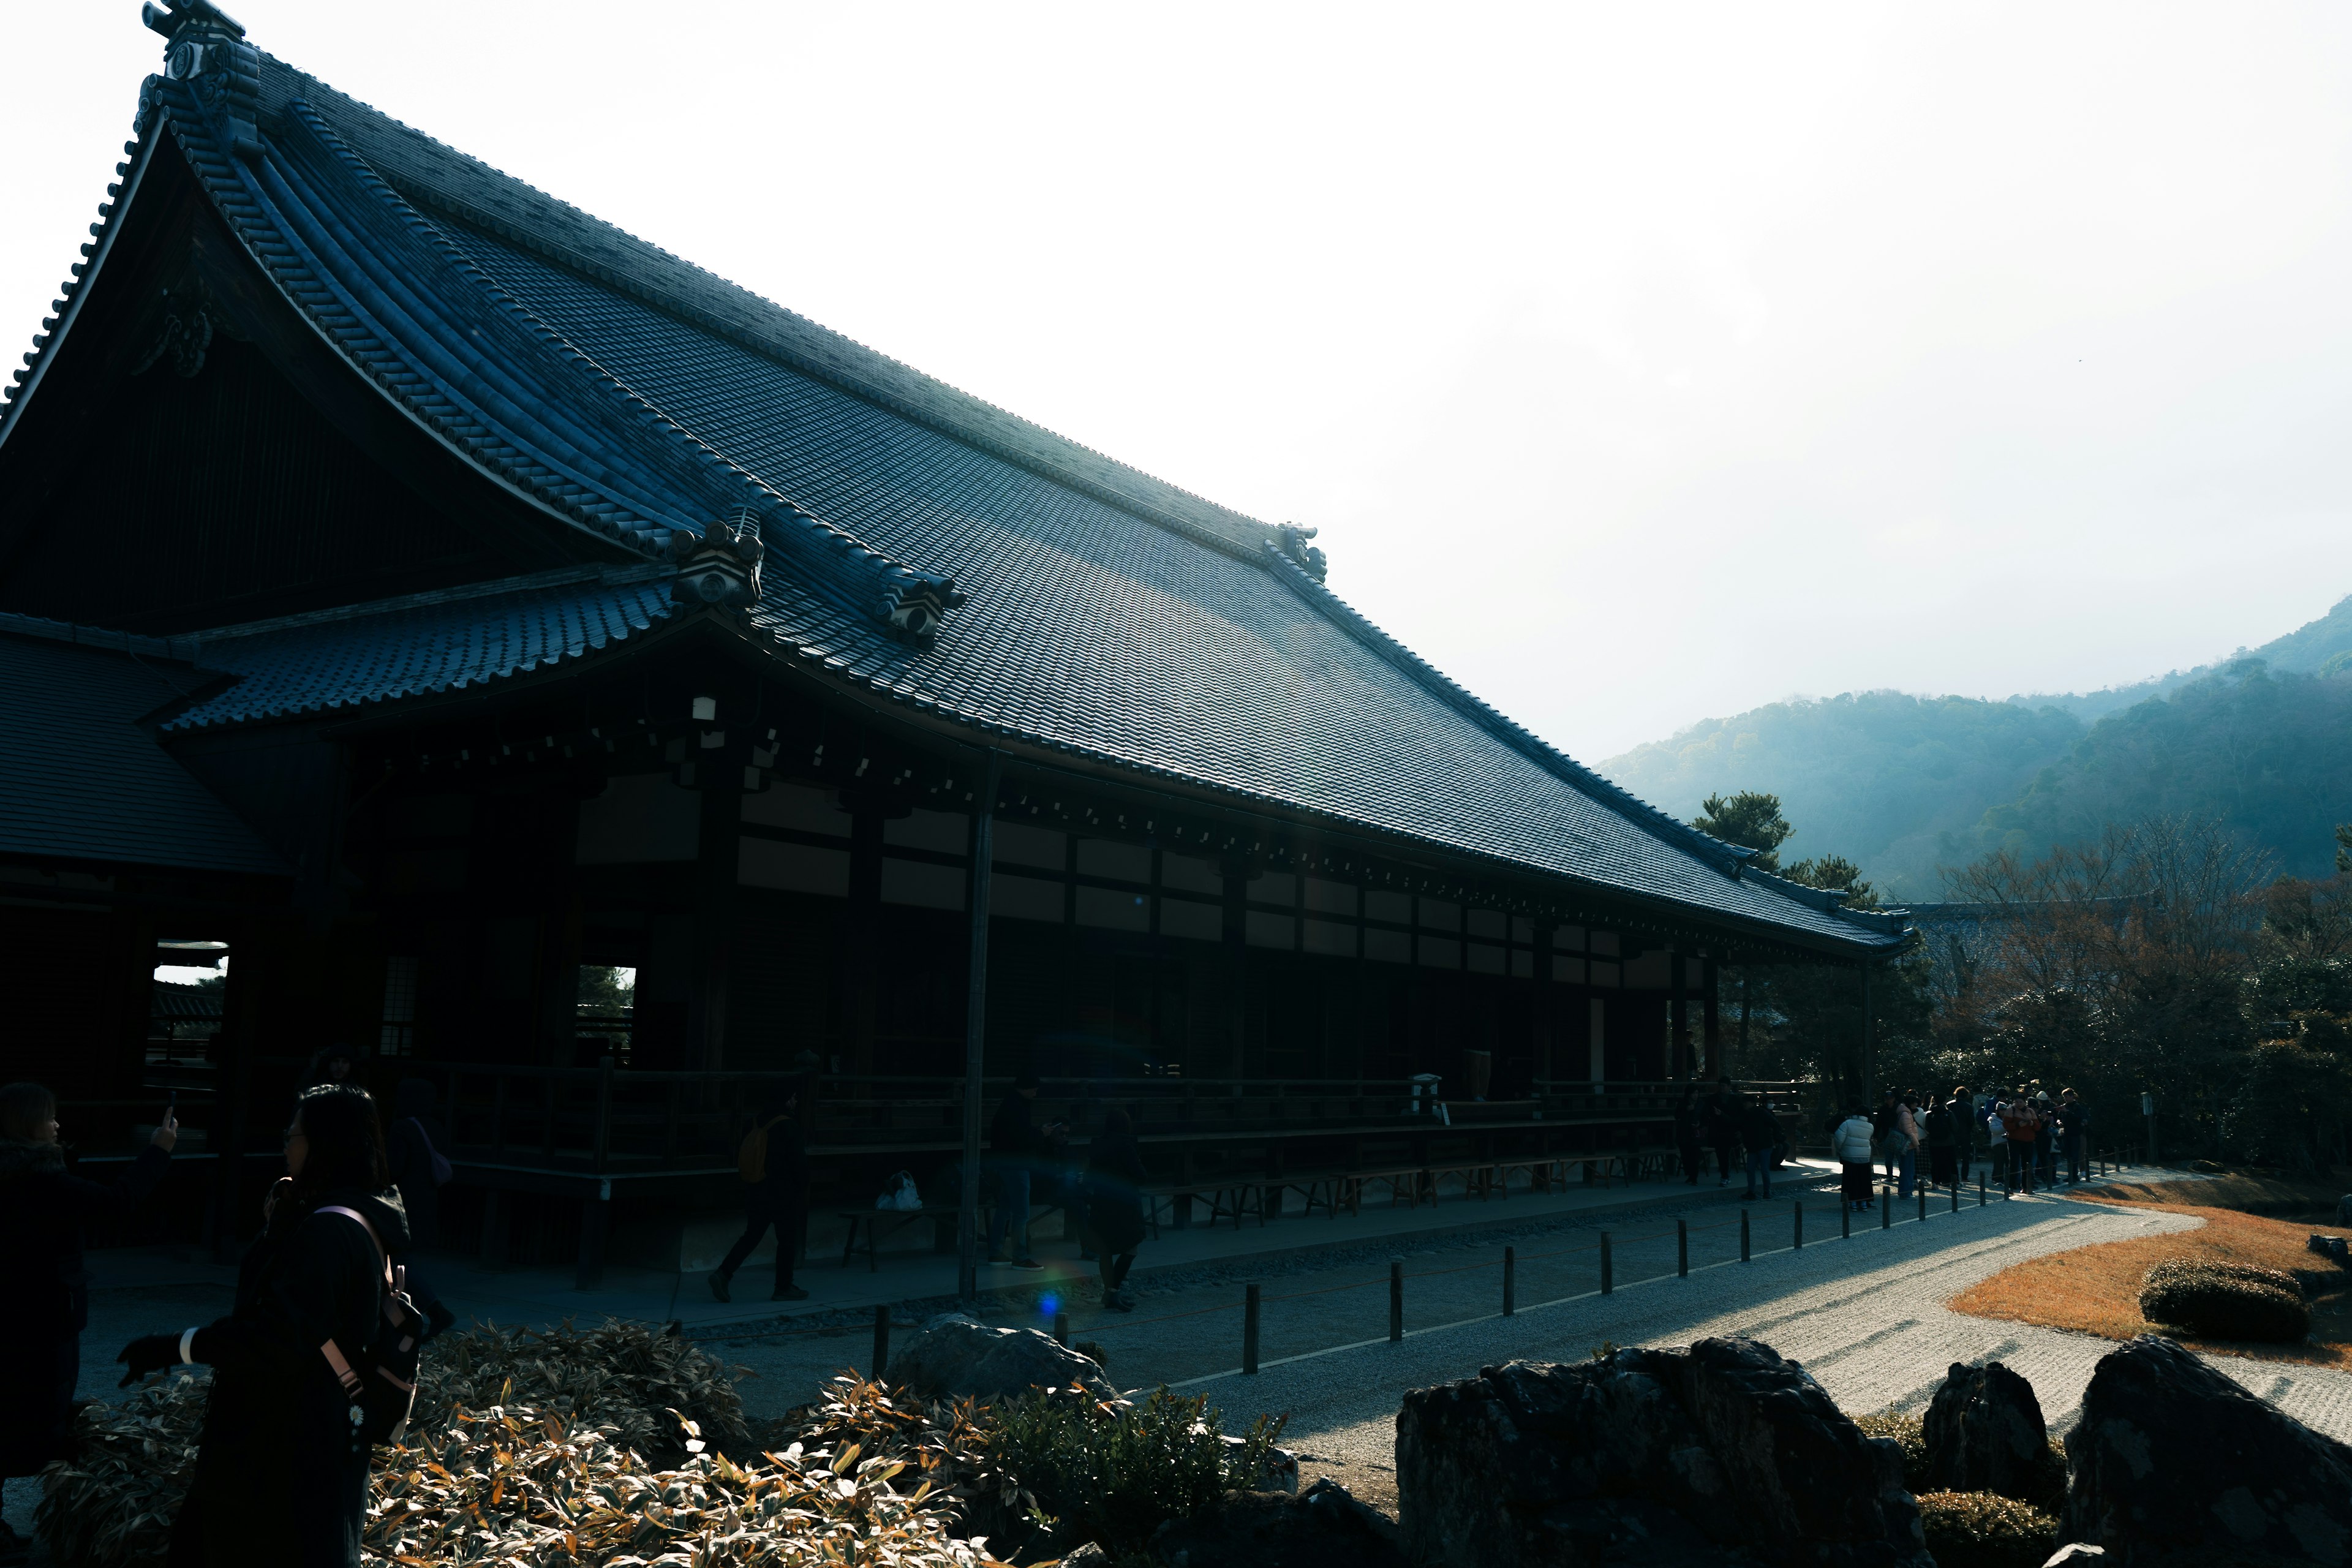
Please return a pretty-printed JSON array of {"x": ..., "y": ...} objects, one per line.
[{"x": 1639, "y": 363}]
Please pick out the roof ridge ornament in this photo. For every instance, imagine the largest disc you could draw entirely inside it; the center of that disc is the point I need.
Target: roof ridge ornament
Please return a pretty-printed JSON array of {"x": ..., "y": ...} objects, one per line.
[
  {"x": 208, "y": 51},
  {"x": 1291, "y": 540},
  {"x": 721, "y": 566}
]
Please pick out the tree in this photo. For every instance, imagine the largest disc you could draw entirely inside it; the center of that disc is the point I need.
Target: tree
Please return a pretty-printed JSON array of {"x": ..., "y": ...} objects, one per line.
[
  {"x": 603, "y": 992},
  {"x": 1813, "y": 1012},
  {"x": 1750, "y": 819},
  {"x": 2116, "y": 966},
  {"x": 2343, "y": 848}
]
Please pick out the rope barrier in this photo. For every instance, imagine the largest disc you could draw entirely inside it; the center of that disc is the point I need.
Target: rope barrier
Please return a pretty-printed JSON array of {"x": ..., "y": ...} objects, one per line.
[{"x": 1395, "y": 1279}]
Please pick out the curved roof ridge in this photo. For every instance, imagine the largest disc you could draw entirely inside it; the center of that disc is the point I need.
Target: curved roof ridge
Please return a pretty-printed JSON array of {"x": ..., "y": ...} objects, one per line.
[
  {"x": 940, "y": 402},
  {"x": 488, "y": 373},
  {"x": 1732, "y": 859}
]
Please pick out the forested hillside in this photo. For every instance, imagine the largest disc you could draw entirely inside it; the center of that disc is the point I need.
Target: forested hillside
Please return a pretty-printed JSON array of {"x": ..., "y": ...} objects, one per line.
[
  {"x": 1880, "y": 777},
  {"x": 1903, "y": 785},
  {"x": 2267, "y": 751}
]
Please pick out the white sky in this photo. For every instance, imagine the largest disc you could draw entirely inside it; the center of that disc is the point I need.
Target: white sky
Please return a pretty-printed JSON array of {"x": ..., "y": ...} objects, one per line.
[{"x": 1638, "y": 364}]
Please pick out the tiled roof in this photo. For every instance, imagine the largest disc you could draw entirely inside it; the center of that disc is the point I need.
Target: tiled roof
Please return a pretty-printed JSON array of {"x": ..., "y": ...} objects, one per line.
[
  {"x": 424, "y": 643},
  {"x": 1109, "y": 614},
  {"x": 80, "y": 779}
]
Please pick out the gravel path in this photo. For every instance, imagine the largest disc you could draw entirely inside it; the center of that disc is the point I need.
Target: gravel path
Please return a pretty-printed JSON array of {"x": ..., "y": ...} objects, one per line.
[{"x": 1866, "y": 1316}]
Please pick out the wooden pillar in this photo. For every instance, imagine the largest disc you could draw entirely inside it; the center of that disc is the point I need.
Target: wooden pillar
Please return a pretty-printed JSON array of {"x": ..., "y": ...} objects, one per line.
[
  {"x": 1711, "y": 1020},
  {"x": 1869, "y": 1047},
  {"x": 862, "y": 946},
  {"x": 714, "y": 918},
  {"x": 1235, "y": 948},
  {"x": 248, "y": 977},
  {"x": 1678, "y": 1018},
  {"x": 1740, "y": 1046},
  {"x": 560, "y": 919},
  {"x": 975, "y": 1027}
]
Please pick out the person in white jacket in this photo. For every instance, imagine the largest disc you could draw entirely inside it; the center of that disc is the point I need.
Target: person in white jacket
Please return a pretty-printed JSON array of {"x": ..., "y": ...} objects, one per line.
[{"x": 1851, "y": 1142}]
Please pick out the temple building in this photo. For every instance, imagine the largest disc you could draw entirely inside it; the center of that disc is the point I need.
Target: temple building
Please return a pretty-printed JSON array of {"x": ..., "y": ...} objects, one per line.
[{"x": 428, "y": 590}]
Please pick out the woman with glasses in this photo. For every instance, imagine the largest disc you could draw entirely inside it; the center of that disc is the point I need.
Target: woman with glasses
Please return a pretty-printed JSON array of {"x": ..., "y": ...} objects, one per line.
[{"x": 280, "y": 1477}]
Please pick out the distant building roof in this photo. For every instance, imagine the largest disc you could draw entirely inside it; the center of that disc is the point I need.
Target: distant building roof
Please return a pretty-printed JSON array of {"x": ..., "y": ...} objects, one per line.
[{"x": 172, "y": 1002}]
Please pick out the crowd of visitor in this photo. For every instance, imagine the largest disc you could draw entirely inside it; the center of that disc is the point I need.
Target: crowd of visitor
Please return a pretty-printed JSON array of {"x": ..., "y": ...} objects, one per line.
[{"x": 2024, "y": 1132}]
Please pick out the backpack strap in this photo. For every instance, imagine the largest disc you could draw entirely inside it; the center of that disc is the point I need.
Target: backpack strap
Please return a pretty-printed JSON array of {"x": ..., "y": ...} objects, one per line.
[{"x": 373, "y": 1239}]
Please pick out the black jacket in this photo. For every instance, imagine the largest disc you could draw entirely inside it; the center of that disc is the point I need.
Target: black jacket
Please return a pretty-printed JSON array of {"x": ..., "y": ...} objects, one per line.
[
  {"x": 45, "y": 1292},
  {"x": 276, "y": 1481},
  {"x": 1115, "y": 1181},
  {"x": 1015, "y": 1132},
  {"x": 1759, "y": 1130},
  {"x": 43, "y": 1211},
  {"x": 783, "y": 1175}
]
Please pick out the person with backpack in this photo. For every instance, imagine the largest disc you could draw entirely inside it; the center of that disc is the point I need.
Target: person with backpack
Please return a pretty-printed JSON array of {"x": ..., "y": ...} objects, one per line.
[
  {"x": 281, "y": 1470},
  {"x": 420, "y": 1171},
  {"x": 44, "y": 1290},
  {"x": 773, "y": 1163},
  {"x": 2020, "y": 1122}
]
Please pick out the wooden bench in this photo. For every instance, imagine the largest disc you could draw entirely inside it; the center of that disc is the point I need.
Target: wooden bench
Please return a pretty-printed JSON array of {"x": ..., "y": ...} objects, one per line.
[{"x": 879, "y": 1223}]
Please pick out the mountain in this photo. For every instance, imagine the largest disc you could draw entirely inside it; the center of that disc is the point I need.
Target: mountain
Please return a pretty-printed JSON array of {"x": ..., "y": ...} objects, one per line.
[
  {"x": 2324, "y": 645},
  {"x": 1903, "y": 785}
]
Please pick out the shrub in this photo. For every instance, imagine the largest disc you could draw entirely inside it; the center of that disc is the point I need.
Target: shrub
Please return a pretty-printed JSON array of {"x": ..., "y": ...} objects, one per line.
[
  {"x": 1112, "y": 1472},
  {"x": 520, "y": 1485},
  {"x": 627, "y": 1377},
  {"x": 2225, "y": 1301},
  {"x": 943, "y": 1443},
  {"x": 113, "y": 1505},
  {"x": 1985, "y": 1530},
  {"x": 1908, "y": 1433}
]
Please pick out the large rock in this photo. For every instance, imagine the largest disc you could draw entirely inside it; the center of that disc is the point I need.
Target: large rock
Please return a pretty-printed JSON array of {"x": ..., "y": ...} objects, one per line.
[
  {"x": 2174, "y": 1466},
  {"x": 1657, "y": 1457},
  {"x": 1984, "y": 1434},
  {"x": 957, "y": 1357},
  {"x": 1322, "y": 1527}
]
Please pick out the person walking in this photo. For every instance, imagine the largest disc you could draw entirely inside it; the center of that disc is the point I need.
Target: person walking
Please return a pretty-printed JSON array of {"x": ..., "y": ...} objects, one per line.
[
  {"x": 1851, "y": 1144},
  {"x": 1907, "y": 1139},
  {"x": 1115, "y": 1181},
  {"x": 773, "y": 1163},
  {"x": 1723, "y": 1109},
  {"x": 1759, "y": 1130},
  {"x": 2073, "y": 1126},
  {"x": 1966, "y": 1127},
  {"x": 1883, "y": 1137},
  {"x": 1687, "y": 1145},
  {"x": 279, "y": 1480},
  {"x": 44, "y": 1292},
  {"x": 1997, "y": 1139},
  {"x": 1017, "y": 1147},
  {"x": 2045, "y": 1140},
  {"x": 419, "y": 1171}
]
